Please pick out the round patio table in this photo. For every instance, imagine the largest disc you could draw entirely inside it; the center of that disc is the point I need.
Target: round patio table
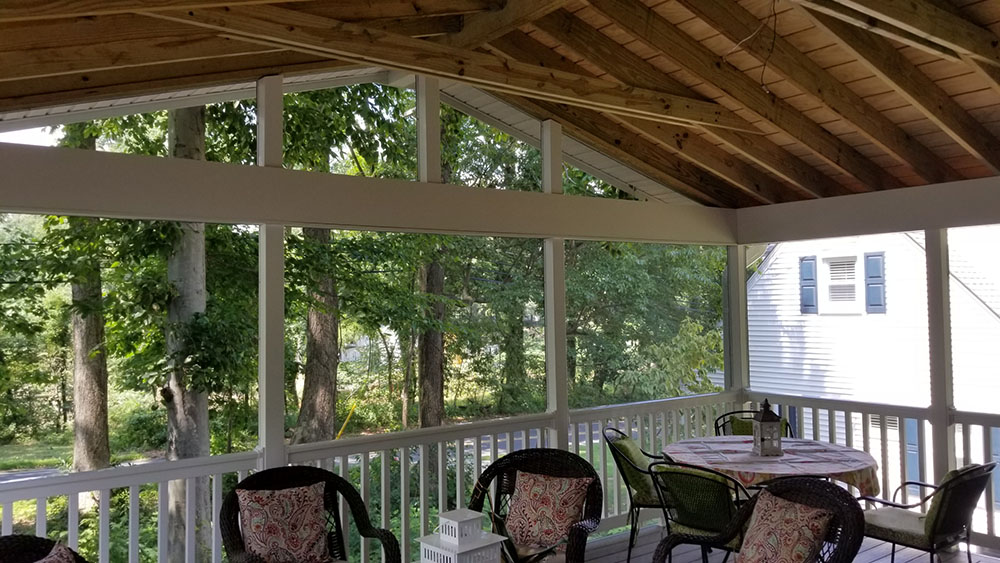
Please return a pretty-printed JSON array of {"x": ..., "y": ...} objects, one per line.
[{"x": 731, "y": 455}]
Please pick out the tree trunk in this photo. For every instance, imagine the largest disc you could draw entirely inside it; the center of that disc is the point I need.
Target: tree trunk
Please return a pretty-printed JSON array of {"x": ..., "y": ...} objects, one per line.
[
  {"x": 513, "y": 371},
  {"x": 187, "y": 407},
  {"x": 432, "y": 351},
  {"x": 318, "y": 414},
  {"x": 411, "y": 345},
  {"x": 90, "y": 368}
]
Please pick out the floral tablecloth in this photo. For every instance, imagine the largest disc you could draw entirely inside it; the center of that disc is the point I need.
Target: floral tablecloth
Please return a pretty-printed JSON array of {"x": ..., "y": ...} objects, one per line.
[{"x": 731, "y": 455}]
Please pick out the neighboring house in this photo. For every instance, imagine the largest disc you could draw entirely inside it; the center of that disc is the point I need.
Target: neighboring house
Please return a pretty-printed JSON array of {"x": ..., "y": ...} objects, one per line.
[{"x": 847, "y": 318}]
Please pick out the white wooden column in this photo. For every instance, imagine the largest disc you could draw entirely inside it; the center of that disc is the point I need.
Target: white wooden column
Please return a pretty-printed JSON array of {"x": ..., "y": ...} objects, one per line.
[
  {"x": 428, "y": 129},
  {"x": 942, "y": 411},
  {"x": 735, "y": 330},
  {"x": 271, "y": 296},
  {"x": 554, "y": 262}
]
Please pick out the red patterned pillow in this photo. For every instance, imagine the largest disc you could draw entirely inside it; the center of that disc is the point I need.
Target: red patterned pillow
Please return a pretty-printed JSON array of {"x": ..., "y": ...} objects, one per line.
[
  {"x": 59, "y": 554},
  {"x": 286, "y": 525},
  {"x": 543, "y": 508},
  {"x": 781, "y": 531}
]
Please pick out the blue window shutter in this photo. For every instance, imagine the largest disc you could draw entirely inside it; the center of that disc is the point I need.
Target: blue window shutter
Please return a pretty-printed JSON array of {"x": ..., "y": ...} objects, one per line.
[
  {"x": 808, "y": 296},
  {"x": 875, "y": 282}
]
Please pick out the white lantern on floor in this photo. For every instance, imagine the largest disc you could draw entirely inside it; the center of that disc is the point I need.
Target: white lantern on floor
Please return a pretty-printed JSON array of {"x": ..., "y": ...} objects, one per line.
[
  {"x": 461, "y": 539},
  {"x": 766, "y": 432}
]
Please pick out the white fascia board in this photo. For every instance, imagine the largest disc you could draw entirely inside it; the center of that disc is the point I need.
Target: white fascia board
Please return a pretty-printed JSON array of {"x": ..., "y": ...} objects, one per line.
[
  {"x": 79, "y": 182},
  {"x": 937, "y": 206}
]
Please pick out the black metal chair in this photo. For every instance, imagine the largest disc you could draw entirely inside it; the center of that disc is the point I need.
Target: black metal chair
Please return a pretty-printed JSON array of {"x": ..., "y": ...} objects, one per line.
[
  {"x": 502, "y": 474},
  {"x": 844, "y": 534},
  {"x": 19, "y": 548},
  {"x": 702, "y": 502},
  {"x": 724, "y": 424},
  {"x": 638, "y": 479},
  {"x": 301, "y": 476},
  {"x": 947, "y": 520}
]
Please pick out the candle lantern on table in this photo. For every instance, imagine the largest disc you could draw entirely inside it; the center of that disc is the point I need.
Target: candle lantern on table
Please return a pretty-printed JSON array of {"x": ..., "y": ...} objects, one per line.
[
  {"x": 461, "y": 539},
  {"x": 766, "y": 432}
]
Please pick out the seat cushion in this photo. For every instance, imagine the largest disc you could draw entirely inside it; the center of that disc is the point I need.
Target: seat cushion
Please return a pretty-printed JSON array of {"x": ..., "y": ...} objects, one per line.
[
  {"x": 898, "y": 526},
  {"x": 285, "y": 525},
  {"x": 543, "y": 508},
  {"x": 59, "y": 554},
  {"x": 782, "y": 531},
  {"x": 643, "y": 490},
  {"x": 675, "y": 528}
]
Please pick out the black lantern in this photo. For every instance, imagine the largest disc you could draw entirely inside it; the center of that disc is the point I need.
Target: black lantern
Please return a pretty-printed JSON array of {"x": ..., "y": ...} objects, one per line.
[{"x": 766, "y": 432}]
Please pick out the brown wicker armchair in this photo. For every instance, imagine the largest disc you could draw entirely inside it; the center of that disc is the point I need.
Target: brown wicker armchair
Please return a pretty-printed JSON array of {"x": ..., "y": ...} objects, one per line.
[
  {"x": 844, "y": 535},
  {"x": 19, "y": 548},
  {"x": 301, "y": 476},
  {"x": 543, "y": 461}
]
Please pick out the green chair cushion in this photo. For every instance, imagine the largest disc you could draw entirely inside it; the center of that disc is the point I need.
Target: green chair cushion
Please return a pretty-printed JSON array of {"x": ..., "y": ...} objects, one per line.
[
  {"x": 675, "y": 528},
  {"x": 744, "y": 426},
  {"x": 643, "y": 490},
  {"x": 897, "y": 525},
  {"x": 936, "y": 502}
]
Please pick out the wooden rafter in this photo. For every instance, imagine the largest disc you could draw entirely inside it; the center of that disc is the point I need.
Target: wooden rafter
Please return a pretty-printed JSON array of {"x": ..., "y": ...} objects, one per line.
[
  {"x": 619, "y": 63},
  {"x": 335, "y": 39},
  {"x": 631, "y": 69},
  {"x": 658, "y": 33},
  {"x": 22, "y": 10},
  {"x": 483, "y": 28},
  {"x": 737, "y": 24},
  {"x": 934, "y": 23},
  {"x": 883, "y": 59}
]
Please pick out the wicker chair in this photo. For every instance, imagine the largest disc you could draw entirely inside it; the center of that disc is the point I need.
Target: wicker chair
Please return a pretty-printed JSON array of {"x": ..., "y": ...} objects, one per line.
[
  {"x": 544, "y": 461},
  {"x": 844, "y": 536},
  {"x": 703, "y": 502},
  {"x": 301, "y": 476},
  {"x": 947, "y": 520},
  {"x": 724, "y": 423},
  {"x": 28, "y": 549},
  {"x": 638, "y": 479}
]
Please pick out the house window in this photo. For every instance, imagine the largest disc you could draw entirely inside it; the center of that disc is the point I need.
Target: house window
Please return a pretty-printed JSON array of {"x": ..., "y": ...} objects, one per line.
[{"x": 835, "y": 285}]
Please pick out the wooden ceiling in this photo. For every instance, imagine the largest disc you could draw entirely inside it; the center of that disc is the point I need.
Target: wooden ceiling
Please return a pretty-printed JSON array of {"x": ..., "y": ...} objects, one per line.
[{"x": 731, "y": 103}]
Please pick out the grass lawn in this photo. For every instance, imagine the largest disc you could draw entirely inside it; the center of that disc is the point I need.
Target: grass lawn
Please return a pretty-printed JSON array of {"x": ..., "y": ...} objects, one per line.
[{"x": 52, "y": 456}]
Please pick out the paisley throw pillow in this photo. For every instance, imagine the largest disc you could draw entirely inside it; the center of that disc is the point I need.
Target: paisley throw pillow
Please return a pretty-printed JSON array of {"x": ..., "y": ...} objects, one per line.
[
  {"x": 781, "y": 531},
  {"x": 285, "y": 525},
  {"x": 543, "y": 508},
  {"x": 59, "y": 554}
]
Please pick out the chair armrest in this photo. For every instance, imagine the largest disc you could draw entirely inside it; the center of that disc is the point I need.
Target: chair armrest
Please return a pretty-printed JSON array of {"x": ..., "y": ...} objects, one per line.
[
  {"x": 920, "y": 484},
  {"x": 390, "y": 545},
  {"x": 576, "y": 544},
  {"x": 889, "y": 502}
]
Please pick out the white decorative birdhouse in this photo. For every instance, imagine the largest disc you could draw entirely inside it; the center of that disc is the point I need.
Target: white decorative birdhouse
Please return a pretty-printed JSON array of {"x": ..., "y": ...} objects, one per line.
[
  {"x": 460, "y": 539},
  {"x": 767, "y": 432}
]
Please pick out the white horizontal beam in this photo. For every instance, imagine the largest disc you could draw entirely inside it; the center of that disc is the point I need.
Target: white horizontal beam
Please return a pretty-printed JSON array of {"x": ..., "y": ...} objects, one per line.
[
  {"x": 77, "y": 182},
  {"x": 937, "y": 206}
]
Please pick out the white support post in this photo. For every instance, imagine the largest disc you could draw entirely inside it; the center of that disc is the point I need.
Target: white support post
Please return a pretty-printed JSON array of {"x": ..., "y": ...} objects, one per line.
[
  {"x": 428, "y": 129},
  {"x": 942, "y": 411},
  {"x": 554, "y": 261},
  {"x": 271, "y": 296},
  {"x": 737, "y": 347}
]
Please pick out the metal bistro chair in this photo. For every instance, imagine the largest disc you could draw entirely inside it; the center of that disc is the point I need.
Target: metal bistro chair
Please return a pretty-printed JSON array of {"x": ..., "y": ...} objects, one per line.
[
  {"x": 19, "y": 548},
  {"x": 301, "y": 476},
  {"x": 947, "y": 520},
  {"x": 633, "y": 465},
  {"x": 843, "y": 537},
  {"x": 542, "y": 461},
  {"x": 738, "y": 423},
  {"x": 703, "y": 503}
]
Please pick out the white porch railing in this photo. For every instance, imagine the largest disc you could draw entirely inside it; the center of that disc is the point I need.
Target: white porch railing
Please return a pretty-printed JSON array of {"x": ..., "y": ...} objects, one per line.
[{"x": 405, "y": 476}]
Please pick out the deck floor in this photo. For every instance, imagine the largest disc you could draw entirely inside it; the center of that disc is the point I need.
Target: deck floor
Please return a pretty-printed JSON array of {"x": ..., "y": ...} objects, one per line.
[{"x": 613, "y": 549}]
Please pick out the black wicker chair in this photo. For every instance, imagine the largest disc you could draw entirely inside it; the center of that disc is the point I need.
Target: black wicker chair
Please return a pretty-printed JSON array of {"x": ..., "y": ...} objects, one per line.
[
  {"x": 947, "y": 521},
  {"x": 703, "y": 502},
  {"x": 639, "y": 482},
  {"x": 28, "y": 549},
  {"x": 301, "y": 476},
  {"x": 502, "y": 474},
  {"x": 844, "y": 536},
  {"x": 724, "y": 423}
]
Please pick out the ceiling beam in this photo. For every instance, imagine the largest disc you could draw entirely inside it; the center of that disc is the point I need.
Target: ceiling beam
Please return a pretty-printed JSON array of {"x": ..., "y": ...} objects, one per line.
[
  {"x": 883, "y": 59},
  {"x": 930, "y": 21},
  {"x": 624, "y": 65},
  {"x": 335, "y": 39},
  {"x": 484, "y": 27},
  {"x": 737, "y": 24},
  {"x": 631, "y": 69},
  {"x": 658, "y": 33},
  {"x": 24, "y": 10}
]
